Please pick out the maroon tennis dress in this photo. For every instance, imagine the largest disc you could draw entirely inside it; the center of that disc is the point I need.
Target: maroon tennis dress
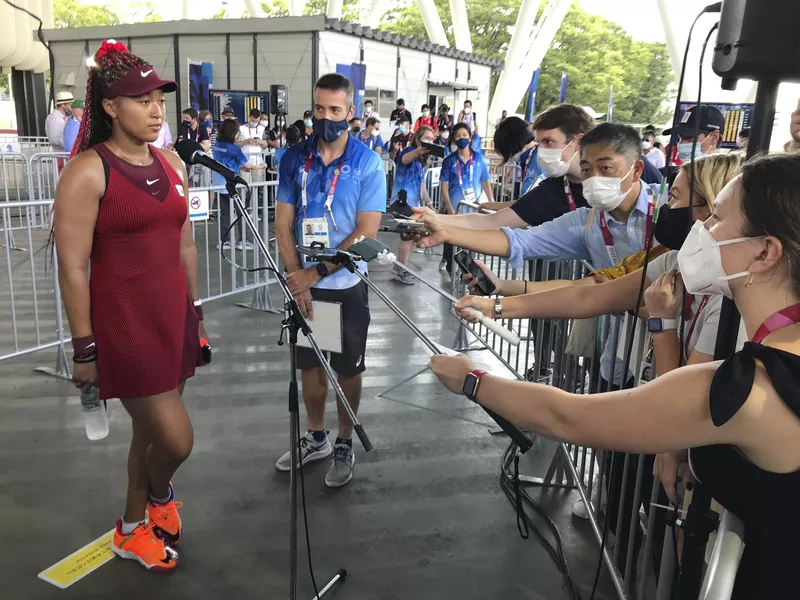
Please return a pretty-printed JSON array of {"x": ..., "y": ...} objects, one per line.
[{"x": 144, "y": 323}]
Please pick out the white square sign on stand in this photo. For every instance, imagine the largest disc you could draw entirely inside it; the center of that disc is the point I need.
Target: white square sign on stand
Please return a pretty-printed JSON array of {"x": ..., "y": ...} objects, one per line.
[
  {"x": 198, "y": 205},
  {"x": 436, "y": 173}
]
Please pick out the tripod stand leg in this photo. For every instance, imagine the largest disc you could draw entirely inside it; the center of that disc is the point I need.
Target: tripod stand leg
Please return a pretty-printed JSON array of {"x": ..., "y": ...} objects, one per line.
[{"x": 341, "y": 574}]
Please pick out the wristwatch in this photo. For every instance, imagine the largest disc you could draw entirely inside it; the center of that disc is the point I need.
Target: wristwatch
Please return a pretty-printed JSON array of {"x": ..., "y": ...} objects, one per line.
[
  {"x": 498, "y": 309},
  {"x": 322, "y": 269},
  {"x": 657, "y": 324},
  {"x": 471, "y": 383}
]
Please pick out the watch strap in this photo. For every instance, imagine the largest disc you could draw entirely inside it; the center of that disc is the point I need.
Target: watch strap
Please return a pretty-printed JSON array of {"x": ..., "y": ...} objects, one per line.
[
  {"x": 322, "y": 269},
  {"x": 476, "y": 376},
  {"x": 498, "y": 308}
]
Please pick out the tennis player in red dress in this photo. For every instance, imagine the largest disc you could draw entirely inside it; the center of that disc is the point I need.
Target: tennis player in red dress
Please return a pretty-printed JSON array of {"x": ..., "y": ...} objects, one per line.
[{"x": 135, "y": 317}]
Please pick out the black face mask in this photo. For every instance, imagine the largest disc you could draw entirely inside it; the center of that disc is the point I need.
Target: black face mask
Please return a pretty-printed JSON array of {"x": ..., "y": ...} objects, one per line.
[
  {"x": 356, "y": 129},
  {"x": 672, "y": 227}
]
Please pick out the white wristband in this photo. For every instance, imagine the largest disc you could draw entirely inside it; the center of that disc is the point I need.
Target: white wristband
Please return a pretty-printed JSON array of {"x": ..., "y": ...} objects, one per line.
[{"x": 198, "y": 303}]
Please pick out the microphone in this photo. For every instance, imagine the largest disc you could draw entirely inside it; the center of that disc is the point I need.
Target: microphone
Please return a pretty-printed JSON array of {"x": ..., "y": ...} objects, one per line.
[
  {"x": 192, "y": 153},
  {"x": 331, "y": 255}
]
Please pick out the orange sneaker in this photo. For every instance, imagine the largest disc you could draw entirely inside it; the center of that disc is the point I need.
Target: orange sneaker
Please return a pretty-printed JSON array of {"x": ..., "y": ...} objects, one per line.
[
  {"x": 165, "y": 518},
  {"x": 144, "y": 546}
]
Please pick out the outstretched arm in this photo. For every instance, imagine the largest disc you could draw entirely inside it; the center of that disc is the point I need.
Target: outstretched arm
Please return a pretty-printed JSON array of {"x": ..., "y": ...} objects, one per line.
[
  {"x": 581, "y": 299},
  {"x": 669, "y": 413}
]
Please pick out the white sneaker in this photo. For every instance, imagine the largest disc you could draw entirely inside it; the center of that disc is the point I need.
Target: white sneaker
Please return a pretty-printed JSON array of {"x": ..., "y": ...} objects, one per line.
[
  {"x": 310, "y": 451},
  {"x": 443, "y": 265},
  {"x": 244, "y": 246},
  {"x": 225, "y": 246}
]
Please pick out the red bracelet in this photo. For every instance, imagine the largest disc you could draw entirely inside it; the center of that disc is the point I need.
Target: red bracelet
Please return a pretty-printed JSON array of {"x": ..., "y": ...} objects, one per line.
[{"x": 84, "y": 347}]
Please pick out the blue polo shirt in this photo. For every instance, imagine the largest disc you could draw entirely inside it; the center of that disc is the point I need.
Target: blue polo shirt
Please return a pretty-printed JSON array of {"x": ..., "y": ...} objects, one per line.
[
  {"x": 533, "y": 169},
  {"x": 229, "y": 155},
  {"x": 473, "y": 176},
  {"x": 361, "y": 188},
  {"x": 71, "y": 133},
  {"x": 409, "y": 178},
  {"x": 372, "y": 142}
]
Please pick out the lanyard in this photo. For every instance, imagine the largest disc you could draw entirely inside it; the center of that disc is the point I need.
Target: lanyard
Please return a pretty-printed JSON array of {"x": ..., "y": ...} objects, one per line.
[
  {"x": 458, "y": 166},
  {"x": 609, "y": 240},
  {"x": 700, "y": 308},
  {"x": 784, "y": 318},
  {"x": 528, "y": 164},
  {"x": 573, "y": 206},
  {"x": 331, "y": 190},
  {"x": 369, "y": 142}
]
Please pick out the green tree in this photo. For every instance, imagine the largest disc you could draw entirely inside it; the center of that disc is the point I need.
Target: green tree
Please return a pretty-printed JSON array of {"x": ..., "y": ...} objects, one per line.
[
  {"x": 597, "y": 54},
  {"x": 71, "y": 14},
  {"x": 491, "y": 23}
]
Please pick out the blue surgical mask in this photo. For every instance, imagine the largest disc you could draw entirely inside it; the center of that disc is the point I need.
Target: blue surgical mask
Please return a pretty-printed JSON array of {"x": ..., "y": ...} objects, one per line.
[
  {"x": 329, "y": 131},
  {"x": 207, "y": 123},
  {"x": 403, "y": 129},
  {"x": 685, "y": 151},
  {"x": 308, "y": 123},
  {"x": 462, "y": 143}
]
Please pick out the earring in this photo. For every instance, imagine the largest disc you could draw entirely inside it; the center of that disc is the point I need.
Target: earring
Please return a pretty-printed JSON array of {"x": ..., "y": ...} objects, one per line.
[{"x": 749, "y": 281}]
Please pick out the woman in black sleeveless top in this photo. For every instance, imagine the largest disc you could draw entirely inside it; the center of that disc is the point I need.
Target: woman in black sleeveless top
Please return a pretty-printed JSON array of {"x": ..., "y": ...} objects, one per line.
[{"x": 741, "y": 417}]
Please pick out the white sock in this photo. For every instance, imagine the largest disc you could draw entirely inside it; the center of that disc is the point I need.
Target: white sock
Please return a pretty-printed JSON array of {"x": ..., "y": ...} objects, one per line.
[
  {"x": 127, "y": 528},
  {"x": 159, "y": 500}
]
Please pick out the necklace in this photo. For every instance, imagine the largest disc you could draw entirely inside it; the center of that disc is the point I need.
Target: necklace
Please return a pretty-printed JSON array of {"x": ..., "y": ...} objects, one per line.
[{"x": 135, "y": 161}]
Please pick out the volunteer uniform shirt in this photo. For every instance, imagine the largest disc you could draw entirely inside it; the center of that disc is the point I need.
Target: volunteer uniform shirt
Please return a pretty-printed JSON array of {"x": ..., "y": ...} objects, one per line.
[
  {"x": 700, "y": 328},
  {"x": 253, "y": 151},
  {"x": 361, "y": 188},
  {"x": 373, "y": 142},
  {"x": 565, "y": 238},
  {"x": 229, "y": 155},
  {"x": 71, "y": 133},
  {"x": 547, "y": 201},
  {"x": 409, "y": 178},
  {"x": 531, "y": 171},
  {"x": 471, "y": 175}
]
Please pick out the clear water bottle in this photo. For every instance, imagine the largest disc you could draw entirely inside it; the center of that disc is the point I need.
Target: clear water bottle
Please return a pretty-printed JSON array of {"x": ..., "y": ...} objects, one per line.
[{"x": 94, "y": 414}]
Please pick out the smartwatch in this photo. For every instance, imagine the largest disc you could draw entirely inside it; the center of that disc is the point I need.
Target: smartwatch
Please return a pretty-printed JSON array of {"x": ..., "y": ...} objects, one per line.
[
  {"x": 657, "y": 324},
  {"x": 322, "y": 270},
  {"x": 498, "y": 309},
  {"x": 471, "y": 383}
]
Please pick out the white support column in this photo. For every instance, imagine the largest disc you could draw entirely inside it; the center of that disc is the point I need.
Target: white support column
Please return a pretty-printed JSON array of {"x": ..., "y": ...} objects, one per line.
[
  {"x": 675, "y": 45},
  {"x": 433, "y": 24},
  {"x": 373, "y": 15},
  {"x": 334, "y": 9},
  {"x": 522, "y": 62},
  {"x": 458, "y": 12},
  {"x": 254, "y": 10}
]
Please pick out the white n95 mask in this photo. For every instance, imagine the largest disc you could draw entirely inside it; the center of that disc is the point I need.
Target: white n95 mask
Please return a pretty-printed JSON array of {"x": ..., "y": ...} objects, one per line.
[
  {"x": 605, "y": 193},
  {"x": 550, "y": 161},
  {"x": 700, "y": 263}
]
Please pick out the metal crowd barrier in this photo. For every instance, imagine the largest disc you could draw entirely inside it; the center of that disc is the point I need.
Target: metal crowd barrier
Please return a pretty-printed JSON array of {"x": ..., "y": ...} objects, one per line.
[
  {"x": 31, "y": 317},
  {"x": 639, "y": 553}
]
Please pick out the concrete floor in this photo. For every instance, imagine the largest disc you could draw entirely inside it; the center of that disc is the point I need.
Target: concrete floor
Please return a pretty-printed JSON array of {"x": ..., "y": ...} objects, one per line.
[{"x": 423, "y": 519}]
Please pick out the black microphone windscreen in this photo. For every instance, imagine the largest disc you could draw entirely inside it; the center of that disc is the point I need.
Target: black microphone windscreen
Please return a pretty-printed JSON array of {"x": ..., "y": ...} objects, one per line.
[{"x": 186, "y": 149}]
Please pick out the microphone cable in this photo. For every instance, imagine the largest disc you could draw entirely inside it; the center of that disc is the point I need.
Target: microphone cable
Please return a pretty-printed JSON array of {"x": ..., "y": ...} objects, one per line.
[
  {"x": 509, "y": 483},
  {"x": 716, "y": 7}
]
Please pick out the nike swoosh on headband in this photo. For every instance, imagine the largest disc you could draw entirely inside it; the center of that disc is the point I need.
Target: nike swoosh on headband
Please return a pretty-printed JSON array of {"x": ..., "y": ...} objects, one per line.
[
  {"x": 146, "y": 73},
  {"x": 152, "y": 182}
]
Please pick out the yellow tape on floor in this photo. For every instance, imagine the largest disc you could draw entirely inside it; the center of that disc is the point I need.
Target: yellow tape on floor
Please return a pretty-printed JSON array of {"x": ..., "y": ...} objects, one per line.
[{"x": 80, "y": 563}]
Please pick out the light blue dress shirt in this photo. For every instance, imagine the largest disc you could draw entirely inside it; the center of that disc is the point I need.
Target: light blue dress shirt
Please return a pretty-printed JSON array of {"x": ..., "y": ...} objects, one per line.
[{"x": 563, "y": 238}]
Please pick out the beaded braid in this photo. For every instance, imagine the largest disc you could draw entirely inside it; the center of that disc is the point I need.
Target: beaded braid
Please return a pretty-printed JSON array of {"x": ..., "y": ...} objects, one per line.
[{"x": 111, "y": 63}]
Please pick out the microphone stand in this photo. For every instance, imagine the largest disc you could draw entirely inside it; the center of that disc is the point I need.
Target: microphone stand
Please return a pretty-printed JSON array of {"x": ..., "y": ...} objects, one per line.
[
  {"x": 294, "y": 322},
  {"x": 522, "y": 441}
]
